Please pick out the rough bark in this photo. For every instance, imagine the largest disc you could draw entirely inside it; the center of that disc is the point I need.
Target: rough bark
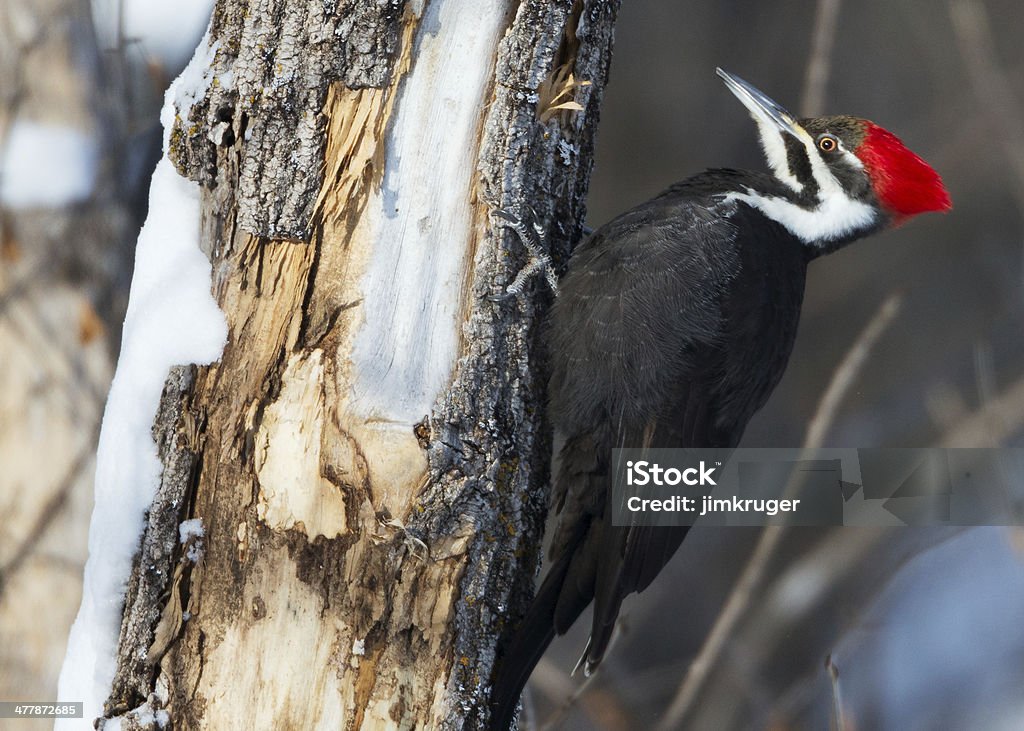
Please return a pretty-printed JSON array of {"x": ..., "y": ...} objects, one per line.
[{"x": 369, "y": 457}]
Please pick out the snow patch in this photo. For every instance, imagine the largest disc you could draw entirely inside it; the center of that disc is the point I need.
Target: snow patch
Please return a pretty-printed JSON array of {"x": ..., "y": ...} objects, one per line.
[
  {"x": 144, "y": 715},
  {"x": 190, "y": 529},
  {"x": 189, "y": 87},
  {"x": 44, "y": 165},
  {"x": 190, "y": 534},
  {"x": 172, "y": 319}
]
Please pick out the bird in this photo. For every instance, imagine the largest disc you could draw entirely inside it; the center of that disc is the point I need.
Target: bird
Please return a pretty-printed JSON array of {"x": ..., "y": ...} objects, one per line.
[{"x": 672, "y": 325}]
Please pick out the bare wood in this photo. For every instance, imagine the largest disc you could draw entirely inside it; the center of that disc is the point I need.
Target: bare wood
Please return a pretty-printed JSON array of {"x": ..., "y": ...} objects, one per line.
[
  {"x": 368, "y": 457},
  {"x": 852, "y": 364},
  {"x": 993, "y": 86}
]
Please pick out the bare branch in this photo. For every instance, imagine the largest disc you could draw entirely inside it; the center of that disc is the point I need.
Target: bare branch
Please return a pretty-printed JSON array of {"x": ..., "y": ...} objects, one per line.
[
  {"x": 997, "y": 420},
  {"x": 847, "y": 372},
  {"x": 557, "y": 719},
  {"x": 51, "y": 510},
  {"x": 753, "y": 574},
  {"x": 820, "y": 61},
  {"x": 838, "y": 715},
  {"x": 973, "y": 30}
]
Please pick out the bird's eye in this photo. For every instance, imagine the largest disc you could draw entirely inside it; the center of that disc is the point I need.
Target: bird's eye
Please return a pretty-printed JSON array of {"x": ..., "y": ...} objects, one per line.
[{"x": 827, "y": 143}]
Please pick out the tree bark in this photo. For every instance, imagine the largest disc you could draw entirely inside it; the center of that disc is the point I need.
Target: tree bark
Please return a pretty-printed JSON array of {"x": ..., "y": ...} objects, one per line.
[{"x": 369, "y": 458}]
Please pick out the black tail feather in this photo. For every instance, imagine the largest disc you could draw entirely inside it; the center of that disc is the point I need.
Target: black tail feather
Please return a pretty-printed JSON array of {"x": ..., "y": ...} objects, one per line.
[{"x": 537, "y": 629}]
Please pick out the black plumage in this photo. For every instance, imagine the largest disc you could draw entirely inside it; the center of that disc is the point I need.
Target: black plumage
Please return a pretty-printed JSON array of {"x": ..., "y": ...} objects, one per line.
[{"x": 672, "y": 326}]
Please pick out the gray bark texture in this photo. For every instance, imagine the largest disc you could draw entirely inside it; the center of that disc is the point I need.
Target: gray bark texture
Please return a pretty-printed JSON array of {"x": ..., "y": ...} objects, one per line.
[{"x": 360, "y": 566}]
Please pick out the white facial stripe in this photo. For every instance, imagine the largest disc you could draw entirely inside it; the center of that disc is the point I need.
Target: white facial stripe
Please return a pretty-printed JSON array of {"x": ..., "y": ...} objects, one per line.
[
  {"x": 852, "y": 159},
  {"x": 774, "y": 145},
  {"x": 828, "y": 186},
  {"x": 835, "y": 216},
  {"x": 775, "y": 151}
]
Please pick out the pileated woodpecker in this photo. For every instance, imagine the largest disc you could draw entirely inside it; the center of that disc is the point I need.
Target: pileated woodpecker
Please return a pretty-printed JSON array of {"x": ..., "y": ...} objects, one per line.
[{"x": 674, "y": 323}]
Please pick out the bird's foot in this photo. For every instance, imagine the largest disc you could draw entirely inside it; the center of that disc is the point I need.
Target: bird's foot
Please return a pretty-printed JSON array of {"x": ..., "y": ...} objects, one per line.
[{"x": 534, "y": 238}]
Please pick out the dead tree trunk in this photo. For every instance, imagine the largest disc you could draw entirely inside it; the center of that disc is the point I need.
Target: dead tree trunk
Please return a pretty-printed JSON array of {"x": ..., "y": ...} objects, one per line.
[{"x": 368, "y": 457}]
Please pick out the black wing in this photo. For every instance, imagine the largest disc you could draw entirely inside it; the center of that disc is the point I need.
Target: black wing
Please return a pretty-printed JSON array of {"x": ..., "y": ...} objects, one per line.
[{"x": 642, "y": 297}]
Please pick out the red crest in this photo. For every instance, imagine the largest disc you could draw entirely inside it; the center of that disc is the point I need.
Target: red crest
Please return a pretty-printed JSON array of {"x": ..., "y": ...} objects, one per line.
[{"x": 904, "y": 183}]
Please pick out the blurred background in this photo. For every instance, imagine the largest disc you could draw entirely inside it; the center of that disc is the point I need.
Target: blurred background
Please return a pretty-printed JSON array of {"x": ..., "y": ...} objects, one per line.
[
  {"x": 80, "y": 89},
  {"x": 810, "y": 628}
]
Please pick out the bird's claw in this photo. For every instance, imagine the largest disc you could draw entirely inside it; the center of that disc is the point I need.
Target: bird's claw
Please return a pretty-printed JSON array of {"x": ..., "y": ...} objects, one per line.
[{"x": 534, "y": 239}]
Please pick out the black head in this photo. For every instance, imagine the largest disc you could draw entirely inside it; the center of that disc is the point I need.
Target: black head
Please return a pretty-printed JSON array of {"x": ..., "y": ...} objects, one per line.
[{"x": 844, "y": 176}]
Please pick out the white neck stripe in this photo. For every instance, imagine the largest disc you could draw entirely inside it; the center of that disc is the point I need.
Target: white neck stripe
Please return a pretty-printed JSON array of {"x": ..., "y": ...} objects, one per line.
[
  {"x": 835, "y": 216},
  {"x": 774, "y": 147}
]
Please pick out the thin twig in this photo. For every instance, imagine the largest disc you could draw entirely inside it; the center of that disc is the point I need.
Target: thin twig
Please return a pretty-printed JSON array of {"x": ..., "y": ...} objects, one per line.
[
  {"x": 838, "y": 717},
  {"x": 973, "y": 30},
  {"x": 561, "y": 687},
  {"x": 818, "y": 65},
  {"x": 37, "y": 332},
  {"x": 551, "y": 681},
  {"x": 556, "y": 719},
  {"x": 23, "y": 285},
  {"x": 840, "y": 553},
  {"x": 852, "y": 364},
  {"x": 753, "y": 573},
  {"x": 998, "y": 419}
]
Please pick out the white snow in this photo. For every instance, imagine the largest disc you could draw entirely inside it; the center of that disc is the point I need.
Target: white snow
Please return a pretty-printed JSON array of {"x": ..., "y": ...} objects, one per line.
[
  {"x": 45, "y": 165},
  {"x": 172, "y": 319},
  {"x": 144, "y": 715},
  {"x": 194, "y": 553},
  {"x": 190, "y": 534},
  {"x": 190, "y": 529}
]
